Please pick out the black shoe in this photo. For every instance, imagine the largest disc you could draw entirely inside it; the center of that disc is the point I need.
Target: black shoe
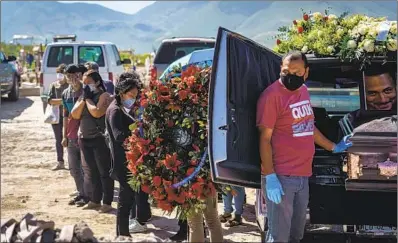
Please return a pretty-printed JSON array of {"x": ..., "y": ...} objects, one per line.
[
  {"x": 180, "y": 236},
  {"x": 82, "y": 201},
  {"x": 74, "y": 200}
]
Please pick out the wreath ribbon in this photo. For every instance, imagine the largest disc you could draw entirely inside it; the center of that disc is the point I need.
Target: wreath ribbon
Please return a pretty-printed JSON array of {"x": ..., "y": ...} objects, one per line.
[{"x": 195, "y": 172}]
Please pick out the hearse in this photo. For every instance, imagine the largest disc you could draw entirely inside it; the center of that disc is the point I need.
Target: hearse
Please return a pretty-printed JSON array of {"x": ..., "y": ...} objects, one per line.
[{"x": 349, "y": 194}]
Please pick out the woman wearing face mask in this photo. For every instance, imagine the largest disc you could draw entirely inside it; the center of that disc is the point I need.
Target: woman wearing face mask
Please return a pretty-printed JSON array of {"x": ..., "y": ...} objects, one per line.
[
  {"x": 90, "y": 109},
  {"x": 55, "y": 99},
  {"x": 120, "y": 114}
]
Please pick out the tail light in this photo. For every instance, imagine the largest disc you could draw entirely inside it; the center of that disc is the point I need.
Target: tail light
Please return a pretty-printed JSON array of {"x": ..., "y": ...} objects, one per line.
[
  {"x": 41, "y": 80},
  {"x": 110, "y": 76},
  {"x": 153, "y": 72}
]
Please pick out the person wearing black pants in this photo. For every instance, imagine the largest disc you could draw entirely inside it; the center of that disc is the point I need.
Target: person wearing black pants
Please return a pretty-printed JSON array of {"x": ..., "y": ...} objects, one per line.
[
  {"x": 119, "y": 116},
  {"x": 90, "y": 109}
]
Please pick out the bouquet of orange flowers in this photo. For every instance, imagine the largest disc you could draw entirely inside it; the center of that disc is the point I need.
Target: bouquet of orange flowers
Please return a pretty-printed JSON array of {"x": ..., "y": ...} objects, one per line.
[{"x": 167, "y": 149}]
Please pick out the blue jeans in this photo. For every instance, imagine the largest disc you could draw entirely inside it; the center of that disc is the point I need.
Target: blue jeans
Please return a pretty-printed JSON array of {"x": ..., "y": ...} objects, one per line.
[
  {"x": 238, "y": 200},
  {"x": 286, "y": 220}
]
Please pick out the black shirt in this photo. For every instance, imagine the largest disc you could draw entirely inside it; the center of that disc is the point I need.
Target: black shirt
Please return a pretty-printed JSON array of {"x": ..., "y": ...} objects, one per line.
[{"x": 117, "y": 124}]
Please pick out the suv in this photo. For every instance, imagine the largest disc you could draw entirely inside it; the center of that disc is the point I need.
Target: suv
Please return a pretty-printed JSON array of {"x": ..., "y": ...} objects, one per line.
[
  {"x": 362, "y": 204},
  {"x": 105, "y": 54},
  {"x": 9, "y": 77},
  {"x": 172, "y": 49}
]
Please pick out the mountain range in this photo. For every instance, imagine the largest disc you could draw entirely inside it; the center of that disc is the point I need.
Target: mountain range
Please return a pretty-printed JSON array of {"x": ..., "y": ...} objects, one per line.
[{"x": 144, "y": 30}]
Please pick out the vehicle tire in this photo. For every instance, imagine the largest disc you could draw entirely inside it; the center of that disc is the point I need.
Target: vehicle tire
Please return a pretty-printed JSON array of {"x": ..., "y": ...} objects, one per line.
[{"x": 14, "y": 94}]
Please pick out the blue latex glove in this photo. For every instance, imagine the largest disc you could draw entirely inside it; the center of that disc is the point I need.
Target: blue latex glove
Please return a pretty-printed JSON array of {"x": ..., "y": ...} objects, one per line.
[
  {"x": 343, "y": 144},
  {"x": 273, "y": 188}
]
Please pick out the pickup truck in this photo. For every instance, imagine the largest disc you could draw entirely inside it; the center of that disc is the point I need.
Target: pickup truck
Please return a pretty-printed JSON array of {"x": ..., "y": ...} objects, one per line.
[{"x": 9, "y": 77}]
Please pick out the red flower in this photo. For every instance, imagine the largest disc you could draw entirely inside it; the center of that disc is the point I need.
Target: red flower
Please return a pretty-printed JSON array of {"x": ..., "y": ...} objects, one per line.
[
  {"x": 158, "y": 140},
  {"x": 294, "y": 22},
  {"x": 190, "y": 81},
  {"x": 157, "y": 180},
  {"x": 146, "y": 189},
  {"x": 132, "y": 168},
  {"x": 165, "y": 206},
  {"x": 194, "y": 146},
  {"x": 194, "y": 162},
  {"x": 195, "y": 98},
  {"x": 325, "y": 18},
  {"x": 171, "y": 162},
  {"x": 144, "y": 102},
  {"x": 306, "y": 17},
  {"x": 183, "y": 94},
  {"x": 170, "y": 123},
  {"x": 300, "y": 29},
  {"x": 190, "y": 171},
  {"x": 278, "y": 41},
  {"x": 158, "y": 195},
  {"x": 166, "y": 183}
]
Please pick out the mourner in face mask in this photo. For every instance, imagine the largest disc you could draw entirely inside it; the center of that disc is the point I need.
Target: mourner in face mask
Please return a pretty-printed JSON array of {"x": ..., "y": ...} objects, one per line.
[
  {"x": 54, "y": 98},
  {"x": 119, "y": 116},
  {"x": 90, "y": 109},
  {"x": 287, "y": 136}
]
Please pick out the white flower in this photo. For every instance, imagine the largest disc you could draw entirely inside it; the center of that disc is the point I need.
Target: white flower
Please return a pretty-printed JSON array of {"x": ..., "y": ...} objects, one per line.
[
  {"x": 392, "y": 45},
  {"x": 393, "y": 28},
  {"x": 369, "y": 46},
  {"x": 317, "y": 16},
  {"x": 320, "y": 33},
  {"x": 340, "y": 31},
  {"x": 373, "y": 32},
  {"x": 351, "y": 44},
  {"x": 330, "y": 49},
  {"x": 332, "y": 17},
  {"x": 304, "y": 49},
  {"x": 363, "y": 30}
]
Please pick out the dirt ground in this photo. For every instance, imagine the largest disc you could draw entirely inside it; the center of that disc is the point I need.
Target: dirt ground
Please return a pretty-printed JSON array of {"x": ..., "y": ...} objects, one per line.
[{"x": 29, "y": 185}]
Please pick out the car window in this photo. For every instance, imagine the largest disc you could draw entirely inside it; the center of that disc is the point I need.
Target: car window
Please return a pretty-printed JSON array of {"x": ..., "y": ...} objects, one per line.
[
  {"x": 59, "y": 55},
  {"x": 117, "y": 56},
  {"x": 171, "y": 51},
  {"x": 91, "y": 54},
  {"x": 335, "y": 98}
]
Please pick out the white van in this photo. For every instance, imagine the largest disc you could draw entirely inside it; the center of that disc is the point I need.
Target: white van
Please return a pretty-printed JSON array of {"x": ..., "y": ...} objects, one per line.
[{"x": 105, "y": 54}]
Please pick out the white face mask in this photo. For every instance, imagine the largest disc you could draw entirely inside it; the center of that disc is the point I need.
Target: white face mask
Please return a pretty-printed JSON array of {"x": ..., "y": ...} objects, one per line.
[
  {"x": 93, "y": 87},
  {"x": 60, "y": 77}
]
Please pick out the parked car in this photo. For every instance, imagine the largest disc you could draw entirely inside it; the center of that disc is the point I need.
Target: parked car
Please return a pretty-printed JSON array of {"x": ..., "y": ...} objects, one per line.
[
  {"x": 241, "y": 70},
  {"x": 9, "y": 77},
  {"x": 202, "y": 57},
  {"x": 172, "y": 49},
  {"x": 105, "y": 54}
]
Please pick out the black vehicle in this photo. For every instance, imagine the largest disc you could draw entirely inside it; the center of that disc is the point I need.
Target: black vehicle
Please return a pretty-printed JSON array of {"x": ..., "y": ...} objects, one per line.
[
  {"x": 9, "y": 77},
  {"x": 242, "y": 69}
]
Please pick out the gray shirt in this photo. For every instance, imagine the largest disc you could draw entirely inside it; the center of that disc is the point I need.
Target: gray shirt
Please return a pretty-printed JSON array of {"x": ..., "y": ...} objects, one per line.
[{"x": 91, "y": 127}]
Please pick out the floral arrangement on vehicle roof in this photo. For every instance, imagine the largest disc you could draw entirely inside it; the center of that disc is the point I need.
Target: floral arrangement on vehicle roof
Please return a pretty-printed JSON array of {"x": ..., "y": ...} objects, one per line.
[
  {"x": 168, "y": 146},
  {"x": 349, "y": 37}
]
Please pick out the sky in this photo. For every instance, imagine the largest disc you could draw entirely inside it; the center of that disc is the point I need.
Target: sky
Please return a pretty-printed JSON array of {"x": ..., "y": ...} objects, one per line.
[{"x": 129, "y": 7}]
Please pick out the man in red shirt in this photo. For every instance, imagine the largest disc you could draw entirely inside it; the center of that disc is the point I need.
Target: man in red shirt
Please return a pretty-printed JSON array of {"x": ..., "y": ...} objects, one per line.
[{"x": 287, "y": 135}]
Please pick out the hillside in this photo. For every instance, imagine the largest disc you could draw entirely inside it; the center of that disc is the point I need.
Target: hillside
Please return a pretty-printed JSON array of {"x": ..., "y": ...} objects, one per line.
[{"x": 145, "y": 29}]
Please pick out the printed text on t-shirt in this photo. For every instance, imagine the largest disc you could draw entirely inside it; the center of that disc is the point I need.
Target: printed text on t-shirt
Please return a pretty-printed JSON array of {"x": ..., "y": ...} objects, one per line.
[{"x": 303, "y": 123}]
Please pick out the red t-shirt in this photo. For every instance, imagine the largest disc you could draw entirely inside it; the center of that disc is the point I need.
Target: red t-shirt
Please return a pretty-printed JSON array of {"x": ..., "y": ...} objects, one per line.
[{"x": 290, "y": 115}]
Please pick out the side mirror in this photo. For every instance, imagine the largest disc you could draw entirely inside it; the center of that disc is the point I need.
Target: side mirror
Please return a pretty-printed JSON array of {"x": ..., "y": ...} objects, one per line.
[
  {"x": 126, "y": 61},
  {"x": 11, "y": 58}
]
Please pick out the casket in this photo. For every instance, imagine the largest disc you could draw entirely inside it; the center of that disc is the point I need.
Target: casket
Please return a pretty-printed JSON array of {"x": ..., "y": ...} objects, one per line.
[{"x": 372, "y": 160}]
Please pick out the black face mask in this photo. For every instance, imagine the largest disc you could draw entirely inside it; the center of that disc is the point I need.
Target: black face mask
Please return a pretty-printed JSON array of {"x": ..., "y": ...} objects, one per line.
[{"x": 292, "y": 82}]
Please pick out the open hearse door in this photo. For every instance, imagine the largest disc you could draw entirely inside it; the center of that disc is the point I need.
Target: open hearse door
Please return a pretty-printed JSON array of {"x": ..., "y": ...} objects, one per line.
[
  {"x": 363, "y": 204},
  {"x": 241, "y": 70}
]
